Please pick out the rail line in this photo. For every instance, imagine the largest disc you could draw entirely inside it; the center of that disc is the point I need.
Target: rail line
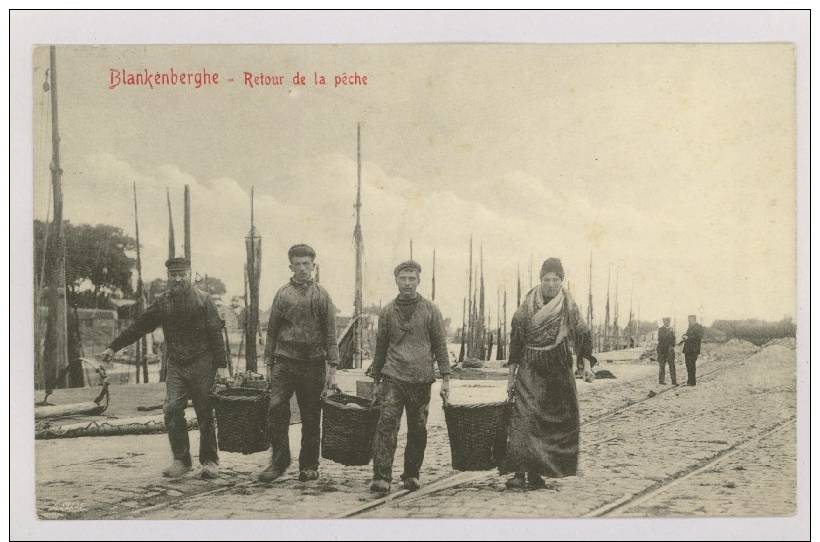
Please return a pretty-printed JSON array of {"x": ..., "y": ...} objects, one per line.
[
  {"x": 459, "y": 478},
  {"x": 636, "y": 499},
  {"x": 402, "y": 496}
]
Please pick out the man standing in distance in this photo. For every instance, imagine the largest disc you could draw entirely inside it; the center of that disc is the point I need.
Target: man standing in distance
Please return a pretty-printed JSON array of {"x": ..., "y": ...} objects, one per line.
[
  {"x": 666, "y": 352},
  {"x": 691, "y": 347},
  {"x": 411, "y": 337},
  {"x": 196, "y": 351},
  {"x": 301, "y": 355}
]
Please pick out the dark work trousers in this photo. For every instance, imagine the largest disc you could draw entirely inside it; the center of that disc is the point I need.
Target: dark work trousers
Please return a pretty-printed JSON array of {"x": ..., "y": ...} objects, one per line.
[
  {"x": 690, "y": 368},
  {"x": 307, "y": 380},
  {"x": 190, "y": 380},
  {"x": 394, "y": 397},
  {"x": 664, "y": 359}
]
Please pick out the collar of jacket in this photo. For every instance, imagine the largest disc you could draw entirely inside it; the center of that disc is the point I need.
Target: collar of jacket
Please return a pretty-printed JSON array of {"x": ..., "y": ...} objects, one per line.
[
  {"x": 301, "y": 285},
  {"x": 411, "y": 301}
]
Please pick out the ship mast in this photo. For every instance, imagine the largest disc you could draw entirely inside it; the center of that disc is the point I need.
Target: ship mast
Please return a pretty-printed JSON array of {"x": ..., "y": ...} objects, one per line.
[{"x": 357, "y": 237}]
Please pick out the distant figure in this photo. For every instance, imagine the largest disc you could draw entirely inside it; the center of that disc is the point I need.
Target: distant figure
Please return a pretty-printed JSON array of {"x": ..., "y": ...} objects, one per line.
[
  {"x": 666, "y": 352},
  {"x": 691, "y": 347}
]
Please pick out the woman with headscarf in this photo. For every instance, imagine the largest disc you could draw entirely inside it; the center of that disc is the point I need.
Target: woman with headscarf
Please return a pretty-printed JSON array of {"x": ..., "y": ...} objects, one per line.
[{"x": 545, "y": 425}]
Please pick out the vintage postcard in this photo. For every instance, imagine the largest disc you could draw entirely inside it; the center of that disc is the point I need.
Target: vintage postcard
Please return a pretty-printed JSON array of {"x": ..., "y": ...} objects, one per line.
[{"x": 414, "y": 281}]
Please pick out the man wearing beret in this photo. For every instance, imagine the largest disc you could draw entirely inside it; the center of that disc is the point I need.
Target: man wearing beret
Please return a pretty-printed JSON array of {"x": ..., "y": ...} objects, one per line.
[
  {"x": 301, "y": 355},
  {"x": 196, "y": 352},
  {"x": 411, "y": 337}
]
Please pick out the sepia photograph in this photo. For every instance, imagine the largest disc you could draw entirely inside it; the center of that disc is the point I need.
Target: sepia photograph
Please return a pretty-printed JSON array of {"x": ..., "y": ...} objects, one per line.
[{"x": 413, "y": 280}]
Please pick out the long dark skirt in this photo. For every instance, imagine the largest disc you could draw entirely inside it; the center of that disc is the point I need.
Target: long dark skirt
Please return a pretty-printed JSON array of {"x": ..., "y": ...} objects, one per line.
[{"x": 545, "y": 425}]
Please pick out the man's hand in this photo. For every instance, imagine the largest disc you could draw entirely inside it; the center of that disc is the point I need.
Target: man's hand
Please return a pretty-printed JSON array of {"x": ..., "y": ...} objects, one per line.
[
  {"x": 107, "y": 355},
  {"x": 445, "y": 390},
  {"x": 330, "y": 381}
]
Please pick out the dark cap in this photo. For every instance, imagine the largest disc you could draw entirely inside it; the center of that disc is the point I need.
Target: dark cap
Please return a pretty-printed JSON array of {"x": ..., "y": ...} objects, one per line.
[
  {"x": 178, "y": 264},
  {"x": 301, "y": 250},
  {"x": 552, "y": 265},
  {"x": 403, "y": 266},
  {"x": 666, "y": 319}
]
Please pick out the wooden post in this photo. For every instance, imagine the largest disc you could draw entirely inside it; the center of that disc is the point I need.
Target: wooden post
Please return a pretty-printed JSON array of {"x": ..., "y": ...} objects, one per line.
[{"x": 55, "y": 358}]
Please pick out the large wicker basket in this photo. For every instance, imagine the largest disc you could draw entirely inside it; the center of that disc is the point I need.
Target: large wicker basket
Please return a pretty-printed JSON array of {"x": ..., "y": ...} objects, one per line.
[
  {"x": 478, "y": 434},
  {"x": 242, "y": 419},
  {"x": 348, "y": 426}
]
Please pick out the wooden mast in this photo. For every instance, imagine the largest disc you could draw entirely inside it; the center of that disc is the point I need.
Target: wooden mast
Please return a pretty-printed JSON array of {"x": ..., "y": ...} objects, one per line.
[
  {"x": 505, "y": 342},
  {"x": 589, "y": 296},
  {"x": 433, "y": 295},
  {"x": 518, "y": 287},
  {"x": 359, "y": 242},
  {"x": 481, "y": 347},
  {"x": 171, "y": 240},
  {"x": 616, "y": 331},
  {"x": 187, "y": 225},
  {"x": 253, "y": 249},
  {"x": 606, "y": 317},
  {"x": 470, "y": 304},
  {"x": 142, "y": 344},
  {"x": 55, "y": 360},
  {"x": 463, "y": 328}
]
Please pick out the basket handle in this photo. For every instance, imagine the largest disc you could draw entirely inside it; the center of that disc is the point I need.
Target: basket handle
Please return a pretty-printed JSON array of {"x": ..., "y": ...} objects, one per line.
[{"x": 511, "y": 394}]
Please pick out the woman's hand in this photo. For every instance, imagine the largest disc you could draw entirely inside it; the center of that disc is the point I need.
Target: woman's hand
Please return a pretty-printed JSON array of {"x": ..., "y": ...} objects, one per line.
[
  {"x": 510, "y": 389},
  {"x": 589, "y": 376}
]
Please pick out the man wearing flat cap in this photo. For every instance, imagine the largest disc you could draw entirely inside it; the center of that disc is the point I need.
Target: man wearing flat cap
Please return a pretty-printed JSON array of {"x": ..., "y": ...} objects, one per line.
[
  {"x": 301, "y": 355},
  {"x": 196, "y": 352},
  {"x": 410, "y": 339},
  {"x": 666, "y": 352}
]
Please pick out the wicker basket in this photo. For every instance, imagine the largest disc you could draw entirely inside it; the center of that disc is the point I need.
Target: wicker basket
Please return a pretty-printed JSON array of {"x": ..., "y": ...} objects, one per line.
[
  {"x": 478, "y": 434},
  {"x": 348, "y": 426},
  {"x": 242, "y": 419}
]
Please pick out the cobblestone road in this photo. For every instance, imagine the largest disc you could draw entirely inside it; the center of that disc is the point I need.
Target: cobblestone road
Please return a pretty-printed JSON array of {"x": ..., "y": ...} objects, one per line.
[{"x": 686, "y": 451}]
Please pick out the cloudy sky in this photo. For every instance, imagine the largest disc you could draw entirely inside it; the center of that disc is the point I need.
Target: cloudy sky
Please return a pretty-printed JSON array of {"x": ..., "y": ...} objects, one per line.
[{"x": 672, "y": 164}]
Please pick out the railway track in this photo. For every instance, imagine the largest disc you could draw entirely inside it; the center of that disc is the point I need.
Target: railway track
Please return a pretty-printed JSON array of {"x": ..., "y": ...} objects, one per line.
[
  {"x": 460, "y": 478},
  {"x": 646, "y": 495},
  {"x": 400, "y": 497}
]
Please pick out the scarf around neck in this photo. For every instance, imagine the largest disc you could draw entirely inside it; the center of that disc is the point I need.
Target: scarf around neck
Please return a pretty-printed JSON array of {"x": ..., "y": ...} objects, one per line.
[{"x": 547, "y": 325}]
